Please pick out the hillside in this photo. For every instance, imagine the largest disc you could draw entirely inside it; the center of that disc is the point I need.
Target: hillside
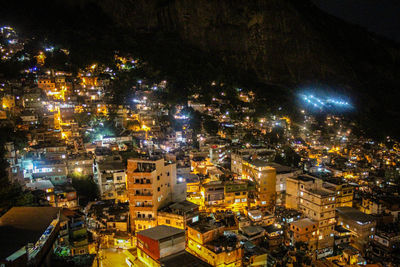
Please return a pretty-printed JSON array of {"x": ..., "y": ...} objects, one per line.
[{"x": 281, "y": 43}]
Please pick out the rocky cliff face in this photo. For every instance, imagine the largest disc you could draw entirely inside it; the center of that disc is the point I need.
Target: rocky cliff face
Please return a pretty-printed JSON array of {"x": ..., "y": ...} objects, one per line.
[{"x": 283, "y": 41}]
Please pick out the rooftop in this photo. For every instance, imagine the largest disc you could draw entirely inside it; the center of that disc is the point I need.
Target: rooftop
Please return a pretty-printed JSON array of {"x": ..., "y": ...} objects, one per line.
[
  {"x": 111, "y": 165},
  {"x": 40, "y": 185},
  {"x": 180, "y": 207},
  {"x": 23, "y": 225},
  {"x": 252, "y": 230},
  {"x": 206, "y": 224},
  {"x": 354, "y": 214},
  {"x": 303, "y": 223},
  {"x": 161, "y": 232}
]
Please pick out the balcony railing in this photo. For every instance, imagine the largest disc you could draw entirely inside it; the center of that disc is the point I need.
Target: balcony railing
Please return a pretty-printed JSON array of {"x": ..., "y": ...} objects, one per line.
[{"x": 143, "y": 194}]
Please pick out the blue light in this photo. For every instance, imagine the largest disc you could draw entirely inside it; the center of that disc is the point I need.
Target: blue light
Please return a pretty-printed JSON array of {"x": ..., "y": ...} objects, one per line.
[{"x": 325, "y": 102}]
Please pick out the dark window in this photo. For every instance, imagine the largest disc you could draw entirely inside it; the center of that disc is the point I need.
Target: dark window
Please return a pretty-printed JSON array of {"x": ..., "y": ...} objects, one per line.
[
  {"x": 158, "y": 189},
  {"x": 168, "y": 221},
  {"x": 158, "y": 178}
]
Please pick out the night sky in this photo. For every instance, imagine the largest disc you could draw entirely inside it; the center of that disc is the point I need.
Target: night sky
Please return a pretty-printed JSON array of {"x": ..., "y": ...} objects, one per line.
[{"x": 379, "y": 16}]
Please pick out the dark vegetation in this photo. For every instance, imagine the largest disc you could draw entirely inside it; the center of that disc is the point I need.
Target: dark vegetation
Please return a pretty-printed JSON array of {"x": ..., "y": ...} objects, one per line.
[{"x": 11, "y": 194}]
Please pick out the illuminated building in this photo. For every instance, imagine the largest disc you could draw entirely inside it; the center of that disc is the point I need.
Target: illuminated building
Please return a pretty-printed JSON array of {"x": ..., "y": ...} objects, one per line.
[
  {"x": 65, "y": 196},
  {"x": 149, "y": 184},
  {"x": 178, "y": 214},
  {"x": 199, "y": 165},
  {"x": 73, "y": 233},
  {"x": 40, "y": 58},
  {"x": 385, "y": 242},
  {"x": 27, "y": 235},
  {"x": 80, "y": 164},
  {"x": 111, "y": 178},
  {"x": 343, "y": 192},
  {"x": 207, "y": 241},
  {"x": 372, "y": 205},
  {"x": 264, "y": 176},
  {"x": 8, "y": 102},
  {"x": 361, "y": 226},
  {"x": 236, "y": 195},
  {"x": 253, "y": 233},
  {"x": 304, "y": 230},
  {"x": 46, "y": 84},
  {"x": 237, "y": 157},
  {"x": 218, "y": 153},
  {"x": 213, "y": 193},
  {"x": 318, "y": 204},
  {"x": 159, "y": 242},
  {"x": 193, "y": 190},
  {"x": 89, "y": 81},
  {"x": 274, "y": 234}
]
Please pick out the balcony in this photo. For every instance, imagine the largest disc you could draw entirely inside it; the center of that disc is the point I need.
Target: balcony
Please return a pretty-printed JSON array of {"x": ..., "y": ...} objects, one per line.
[
  {"x": 144, "y": 219},
  {"x": 143, "y": 208},
  {"x": 142, "y": 185},
  {"x": 143, "y": 197}
]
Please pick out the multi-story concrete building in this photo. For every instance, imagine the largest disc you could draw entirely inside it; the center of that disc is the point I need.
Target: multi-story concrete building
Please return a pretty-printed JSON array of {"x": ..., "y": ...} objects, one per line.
[
  {"x": 361, "y": 226},
  {"x": 264, "y": 176},
  {"x": 111, "y": 178},
  {"x": 307, "y": 194},
  {"x": 238, "y": 155},
  {"x": 206, "y": 241},
  {"x": 81, "y": 164},
  {"x": 178, "y": 214},
  {"x": 150, "y": 182},
  {"x": 304, "y": 230},
  {"x": 343, "y": 191},
  {"x": 164, "y": 246}
]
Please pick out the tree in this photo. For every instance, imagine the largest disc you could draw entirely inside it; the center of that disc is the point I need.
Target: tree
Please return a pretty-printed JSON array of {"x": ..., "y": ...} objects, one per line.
[
  {"x": 85, "y": 186},
  {"x": 210, "y": 125},
  {"x": 11, "y": 194}
]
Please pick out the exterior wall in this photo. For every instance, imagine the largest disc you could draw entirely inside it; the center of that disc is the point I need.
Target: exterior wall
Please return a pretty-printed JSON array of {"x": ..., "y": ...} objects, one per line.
[
  {"x": 307, "y": 234},
  {"x": 149, "y": 246},
  {"x": 146, "y": 259},
  {"x": 372, "y": 206},
  {"x": 344, "y": 196},
  {"x": 360, "y": 234},
  {"x": 174, "y": 220},
  {"x": 292, "y": 191},
  {"x": 148, "y": 190},
  {"x": 265, "y": 178},
  {"x": 172, "y": 245},
  {"x": 231, "y": 258},
  {"x": 203, "y": 238}
]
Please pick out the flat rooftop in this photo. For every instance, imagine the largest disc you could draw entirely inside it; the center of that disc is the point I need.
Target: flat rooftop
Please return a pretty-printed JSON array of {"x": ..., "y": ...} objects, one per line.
[
  {"x": 354, "y": 214},
  {"x": 161, "y": 232},
  {"x": 303, "y": 223},
  {"x": 180, "y": 207},
  {"x": 23, "y": 225}
]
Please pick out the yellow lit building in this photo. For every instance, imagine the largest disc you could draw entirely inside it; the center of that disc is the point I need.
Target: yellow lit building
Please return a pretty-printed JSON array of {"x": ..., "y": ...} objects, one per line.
[
  {"x": 149, "y": 184},
  {"x": 264, "y": 176},
  {"x": 318, "y": 204},
  {"x": 343, "y": 192},
  {"x": 46, "y": 84},
  {"x": 8, "y": 102},
  {"x": 207, "y": 242},
  {"x": 178, "y": 214}
]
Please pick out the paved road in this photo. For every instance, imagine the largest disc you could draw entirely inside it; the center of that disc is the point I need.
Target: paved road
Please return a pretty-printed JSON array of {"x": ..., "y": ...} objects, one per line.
[{"x": 111, "y": 257}]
